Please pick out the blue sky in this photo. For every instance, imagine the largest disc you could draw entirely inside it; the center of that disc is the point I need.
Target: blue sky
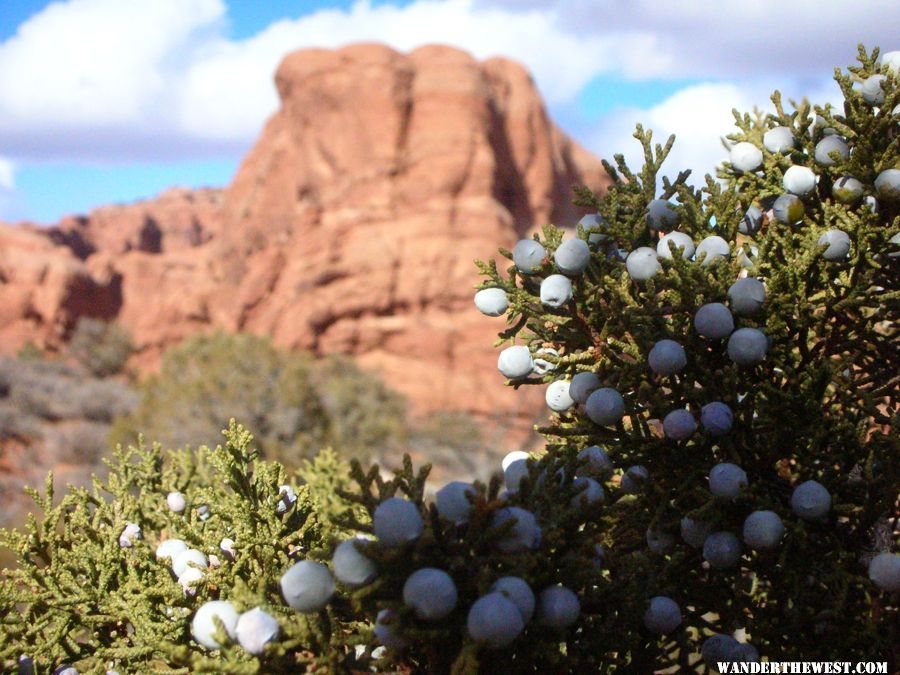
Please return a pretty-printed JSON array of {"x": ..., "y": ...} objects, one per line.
[{"x": 114, "y": 100}]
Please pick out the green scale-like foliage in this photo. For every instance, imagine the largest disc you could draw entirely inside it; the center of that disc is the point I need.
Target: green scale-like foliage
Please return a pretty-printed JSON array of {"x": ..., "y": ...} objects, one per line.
[{"x": 76, "y": 596}]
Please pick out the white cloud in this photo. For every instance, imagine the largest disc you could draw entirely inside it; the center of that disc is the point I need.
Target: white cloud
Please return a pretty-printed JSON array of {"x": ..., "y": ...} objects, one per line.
[
  {"x": 7, "y": 175},
  {"x": 9, "y": 201},
  {"x": 699, "y": 116},
  {"x": 712, "y": 39}
]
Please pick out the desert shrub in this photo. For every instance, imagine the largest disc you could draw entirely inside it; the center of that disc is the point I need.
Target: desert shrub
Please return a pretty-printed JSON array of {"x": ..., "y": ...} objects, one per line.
[
  {"x": 293, "y": 404},
  {"x": 77, "y": 442},
  {"x": 46, "y": 389},
  {"x": 30, "y": 352},
  {"x": 364, "y": 414},
  {"x": 53, "y": 390},
  {"x": 100, "y": 346},
  {"x": 452, "y": 439},
  {"x": 105, "y": 400}
]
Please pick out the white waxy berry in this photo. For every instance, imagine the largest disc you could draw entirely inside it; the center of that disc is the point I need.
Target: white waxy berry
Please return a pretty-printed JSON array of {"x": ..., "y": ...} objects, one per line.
[
  {"x": 65, "y": 669},
  {"x": 512, "y": 457},
  {"x": 542, "y": 365},
  {"x": 694, "y": 532},
  {"x": 887, "y": 185},
  {"x": 515, "y": 362},
  {"x": 385, "y": 630},
  {"x": 747, "y": 296},
  {"x": 129, "y": 535},
  {"x": 799, "y": 180},
  {"x": 519, "y": 592},
  {"x": 189, "y": 579},
  {"x": 582, "y": 385},
  {"x": 307, "y": 586},
  {"x": 558, "y": 397},
  {"x": 176, "y": 502},
  {"x": 524, "y": 535},
  {"x": 190, "y": 557},
  {"x": 658, "y": 541},
  {"x": 746, "y": 157},
  {"x": 227, "y": 547},
  {"x": 661, "y": 215},
  {"x": 751, "y": 222},
  {"x": 662, "y": 616},
  {"x": 830, "y": 145},
  {"x": 763, "y": 530},
  {"x": 203, "y": 512},
  {"x": 255, "y": 629},
  {"x": 605, "y": 406},
  {"x": 837, "y": 242},
  {"x": 810, "y": 500},
  {"x": 572, "y": 257},
  {"x": 847, "y": 190},
  {"x": 642, "y": 263},
  {"x": 351, "y": 566},
  {"x": 494, "y": 620},
  {"x": 884, "y": 571},
  {"x": 716, "y": 418},
  {"x": 747, "y": 261},
  {"x": 170, "y": 548},
  {"x": 596, "y": 226},
  {"x": 727, "y": 480},
  {"x": 747, "y": 346},
  {"x": 453, "y": 501},
  {"x": 431, "y": 593},
  {"x": 712, "y": 249},
  {"x": 203, "y": 625},
  {"x": 717, "y": 648},
  {"x": 514, "y": 473},
  {"x": 872, "y": 89},
  {"x": 679, "y": 425},
  {"x": 667, "y": 357},
  {"x": 397, "y": 521},
  {"x": 492, "y": 301},
  {"x": 678, "y": 240},
  {"x": 779, "y": 139},
  {"x": 558, "y": 607},
  {"x": 890, "y": 60},
  {"x": 634, "y": 479},
  {"x": 595, "y": 461},
  {"x": 788, "y": 209},
  {"x": 589, "y": 492},
  {"x": 528, "y": 255},
  {"x": 722, "y": 550},
  {"x": 714, "y": 321},
  {"x": 556, "y": 290},
  {"x": 286, "y": 498}
]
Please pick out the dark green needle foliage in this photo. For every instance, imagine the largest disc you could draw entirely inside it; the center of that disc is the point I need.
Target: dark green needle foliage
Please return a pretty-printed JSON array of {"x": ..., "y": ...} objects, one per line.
[
  {"x": 822, "y": 404},
  {"x": 805, "y": 390}
]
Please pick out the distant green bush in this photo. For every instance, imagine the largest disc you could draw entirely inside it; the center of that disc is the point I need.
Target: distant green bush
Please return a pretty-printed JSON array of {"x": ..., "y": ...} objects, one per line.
[
  {"x": 101, "y": 347},
  {"x": 293, "y": 404}
]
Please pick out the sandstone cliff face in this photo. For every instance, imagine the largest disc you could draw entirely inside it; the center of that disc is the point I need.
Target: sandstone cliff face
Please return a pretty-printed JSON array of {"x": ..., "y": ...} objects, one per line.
[{"x": 351, "y": 226}]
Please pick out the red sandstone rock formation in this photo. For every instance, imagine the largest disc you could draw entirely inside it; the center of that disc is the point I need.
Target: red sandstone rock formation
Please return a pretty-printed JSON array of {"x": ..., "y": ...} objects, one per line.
[{"x": 351, "y": 227}]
